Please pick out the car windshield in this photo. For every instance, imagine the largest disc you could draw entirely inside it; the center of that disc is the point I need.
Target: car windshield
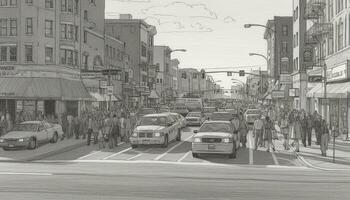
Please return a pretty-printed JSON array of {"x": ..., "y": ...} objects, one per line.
[
  {"x": 221, "y": 117},
  {"x": 25, "y": 127},
  {"x": 194, "y": 115},
  {"x": 216, "y": 127},
  {"x": 253, "y": 112},
  {"x": 146, "y": 111},
  {"x": 157, "y": 121},
  {"x": 209, "y": 110}
]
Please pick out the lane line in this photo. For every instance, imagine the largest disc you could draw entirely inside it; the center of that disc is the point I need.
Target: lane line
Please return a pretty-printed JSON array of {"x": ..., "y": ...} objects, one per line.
[
  {"x": 274, "y": 158},
  {"x": 140, "y": 154},
  {"x": 172, "y": 148},
  {"x": 26, "y": 173},
  {"x": 90, "y": 154},
  {"x": 251, "y": 146},
  {"x": 115, "y": 154},
  {"x": 184, "y": 156}
]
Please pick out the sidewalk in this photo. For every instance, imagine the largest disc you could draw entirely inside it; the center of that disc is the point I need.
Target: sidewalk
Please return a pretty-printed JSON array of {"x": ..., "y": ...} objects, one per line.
[
  {"x": 41, "y": 152},
  {"x": 311, "y": 155}
]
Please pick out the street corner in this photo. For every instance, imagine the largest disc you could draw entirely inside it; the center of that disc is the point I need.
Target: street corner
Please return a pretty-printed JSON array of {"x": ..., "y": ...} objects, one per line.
[{"x": 44, "y": 151}]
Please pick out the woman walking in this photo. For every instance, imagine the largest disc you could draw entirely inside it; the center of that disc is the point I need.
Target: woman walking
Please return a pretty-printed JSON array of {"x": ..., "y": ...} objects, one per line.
[
  {"x": 297, "y": 133},
  {"x": 269, "y": 127},
  {"x": 285, "y": 131},
  {"x": 243, "y": 131}
]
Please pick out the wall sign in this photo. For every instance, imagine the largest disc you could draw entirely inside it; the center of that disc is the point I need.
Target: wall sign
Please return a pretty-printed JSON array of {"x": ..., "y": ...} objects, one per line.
[
  {"x": 277, "y": 94},
  {"x": 337, "y": 73}
]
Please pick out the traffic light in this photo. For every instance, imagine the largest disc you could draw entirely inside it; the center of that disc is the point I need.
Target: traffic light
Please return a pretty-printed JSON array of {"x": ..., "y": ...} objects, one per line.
[
  {"x": 241, "y": 73},
  {"x": 229, "y": 73},
  {"x": 203, "y": 74}
]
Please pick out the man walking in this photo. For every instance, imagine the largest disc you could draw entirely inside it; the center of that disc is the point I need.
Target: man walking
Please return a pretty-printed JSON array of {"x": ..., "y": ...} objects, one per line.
[
  {"x": 258, "y": 131},
  {"x": 309, "y": 129},
  {"x": 324, "y": 132},
  {"x": 317, "y": 127},
  {"x": 89, "y": 129}
]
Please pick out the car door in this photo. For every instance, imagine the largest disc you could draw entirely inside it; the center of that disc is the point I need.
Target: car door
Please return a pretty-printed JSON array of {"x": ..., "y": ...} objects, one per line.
[
  {"x": 172, "y": 128},
  {"x": 49, "y": 129},
  {"x": 41, "y": 133}
]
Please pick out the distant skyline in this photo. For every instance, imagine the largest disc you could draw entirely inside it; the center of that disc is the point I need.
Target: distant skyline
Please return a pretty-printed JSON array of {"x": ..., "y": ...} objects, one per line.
[{"x": 210, "y": 30}]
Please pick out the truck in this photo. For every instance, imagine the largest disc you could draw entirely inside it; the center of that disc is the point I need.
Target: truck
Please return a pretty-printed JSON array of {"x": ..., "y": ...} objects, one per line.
[{"x": 192, "y": 104}]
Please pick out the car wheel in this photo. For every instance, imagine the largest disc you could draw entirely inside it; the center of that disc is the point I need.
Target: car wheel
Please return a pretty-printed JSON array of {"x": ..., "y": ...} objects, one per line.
[
  {"x": 195, "y": 155},
  {"x": 54, "y": 138},
  {"x": 166, "y": 142},
  {"x": 134, "y": 146},
  {"x": 178, "y": 138},
  {"x": 6, "y": 149},
  {"x": 233, "y": 154},
  {"x": 32, "y": 144}
]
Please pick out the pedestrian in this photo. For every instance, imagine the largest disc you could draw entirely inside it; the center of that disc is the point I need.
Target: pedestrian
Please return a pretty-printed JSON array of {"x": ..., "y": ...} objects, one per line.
[
  {"x": 258, "y": 130},
  {"x": 3, "y": 125},
  {"x": 309, "y": 129},
  {"x": 70, "y": 126},
  {"x": 296, "y": 135},
  {"x": 236, "y": 126},
  {"x": 268, "y": 128},
  {"x": 96, "y": 128},
  {"x": 89, "y": 129},
  {"x": 83, "y": 126},
  {"x": 115, "y": 130},
  {"x": 285, "y": 131},
  {"x": 108, "y": 126},
  {"x": 123, "y": 127},
  {"x": 317, "y": 127},
  {"x": 243, "y": 131},
  {"x": 64, "y": 125},
  {"x": 303, "y": 121},
  {"x": 76, "y": 124},
  {"x": 324, "y": 132}
]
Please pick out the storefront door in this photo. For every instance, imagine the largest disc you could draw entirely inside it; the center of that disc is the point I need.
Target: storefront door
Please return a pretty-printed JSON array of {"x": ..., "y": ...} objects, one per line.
[
  {"x": 72, "y": 108},
  {"x": 49, "y": 107}
]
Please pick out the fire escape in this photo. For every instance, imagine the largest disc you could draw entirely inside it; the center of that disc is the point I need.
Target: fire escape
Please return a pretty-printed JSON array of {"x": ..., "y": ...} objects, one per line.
[{"x": 320, "y": 29}]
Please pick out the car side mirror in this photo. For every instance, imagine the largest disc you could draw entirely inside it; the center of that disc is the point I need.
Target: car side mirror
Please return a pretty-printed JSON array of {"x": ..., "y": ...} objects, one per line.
[{"x": 195, "y": 131}]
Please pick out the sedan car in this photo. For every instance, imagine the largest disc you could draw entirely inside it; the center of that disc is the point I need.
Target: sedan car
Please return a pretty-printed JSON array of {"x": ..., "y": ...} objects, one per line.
[
  {"x": 180, "y": 119},
  {"x": 194, "y": 119},
  {"x": 155, "y": 129},
  {"x": 30, "y": 135},
  {"x": 215, "y": 137}
]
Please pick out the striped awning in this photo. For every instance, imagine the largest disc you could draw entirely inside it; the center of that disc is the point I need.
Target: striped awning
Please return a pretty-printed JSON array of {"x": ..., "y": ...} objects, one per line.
[
  {"x": 335, "y": 90},
  {"x": 42, "y": 88}
]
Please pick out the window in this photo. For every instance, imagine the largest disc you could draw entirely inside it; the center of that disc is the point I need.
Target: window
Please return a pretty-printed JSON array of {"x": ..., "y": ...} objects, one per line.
[
  {"x": 29, "y": 53},
  {"x": 13, "y": 53},
  {"x": 76, "y": 6},
  {"x": 63, "y": 5},
  {"x": 29, "y": 25},
  {"x": 285, "y": 30},
  {"x": 67, "y": 32},
  {"x": 70, "y": 30},
  {"x": 13, "y": 2},
  {"x": 114, "y": 53},
  {"x": 48, "y": 3},
  {"x": 85, "y": 37},
  {"x": 63, "y": 31},
  {"x": 296, "y": 13},
  {"x": 48, "y": 54},
  {"x": 330, "y": 10},
  {"x": 63, "y": 56},
  {"x": 330, "y": 46},
  {"x": 70, "y": 6},
  {"x": 69, "y": 54},
  {"x": 297, "y": 64},
  {"x": 76, "y": 33},
  {"x": 3, "y": 53},
  {"x": 48, "y": 28},
  {"x": 340, "y": 34},
  {"x": 297, "y": 39},
  {"x": 3, "y": 27},
  {"x": 85, "y": 15},
  {"x": 13, "y": 27},
  {"x": 284, "y": 48},
  {"x": 85, "y": 62},
  {"x": 126, "y": 77},
  {"x": 339, "y": 6},
  {"x": 29, "y": 2},
  {"x": 68, "y": 57},
  {"x": 143, "y": 51}
]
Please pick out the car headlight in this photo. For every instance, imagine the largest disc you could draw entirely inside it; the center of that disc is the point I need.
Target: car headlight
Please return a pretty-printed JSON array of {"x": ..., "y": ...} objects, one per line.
[
  {"x": 158, "y": 134},
  {"x": 2, "y": 140},
  {"x": 134, "y": 134},
  {"x": 197, "y": 140},
  {"x": 23, "y": 139},
  {"x": 227, "y": 140}
]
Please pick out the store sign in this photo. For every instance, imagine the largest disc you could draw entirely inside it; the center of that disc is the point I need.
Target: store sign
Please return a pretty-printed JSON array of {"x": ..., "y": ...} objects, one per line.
[
  {"x": 19, "y": 106},
  {"x": 293, "y": 92},
  {"x": 337, "y": 73},
  {"x": 277, "y": 94},
  {"x": 286, "y": 79},
  {"x": 8, "y": 71}
]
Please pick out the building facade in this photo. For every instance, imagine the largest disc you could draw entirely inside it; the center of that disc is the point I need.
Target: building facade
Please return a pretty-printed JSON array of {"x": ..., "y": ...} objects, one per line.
[
  {"x": 42, "y": 48},
  {"x": 174, "y": 74},
  {"x": 162, "y": 59},
  {"x": 139, "y": 37}
]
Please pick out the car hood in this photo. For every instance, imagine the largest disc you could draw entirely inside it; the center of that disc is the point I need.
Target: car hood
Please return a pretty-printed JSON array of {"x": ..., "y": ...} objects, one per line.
[
  {"x": 18, "y": 134},
  {"x": 212, "y": 134},
  {"x": 149, "y": 128}
]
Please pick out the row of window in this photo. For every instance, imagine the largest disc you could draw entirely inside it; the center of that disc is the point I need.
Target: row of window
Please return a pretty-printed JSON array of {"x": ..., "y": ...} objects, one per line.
[
  {"x": 113, "y": 53},
  {"x": 296, "y": 39},
  {"x": 66, "y": 5},
  {"x": 8, "y": 2}
]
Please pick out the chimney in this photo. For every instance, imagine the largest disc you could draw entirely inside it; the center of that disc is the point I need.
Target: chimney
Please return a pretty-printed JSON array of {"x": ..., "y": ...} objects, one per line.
[{"x": 125, "y": 16}]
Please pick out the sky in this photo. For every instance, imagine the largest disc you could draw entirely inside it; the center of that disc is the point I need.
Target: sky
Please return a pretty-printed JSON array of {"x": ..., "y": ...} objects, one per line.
[{"x": 211, "y": 31}]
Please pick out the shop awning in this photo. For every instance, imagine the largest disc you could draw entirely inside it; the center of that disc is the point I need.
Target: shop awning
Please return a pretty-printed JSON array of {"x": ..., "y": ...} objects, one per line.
[
  {"x": 42, "y": 88},
  {"x": 97, "y": 97},
  {"x": 336, "y": 90}
]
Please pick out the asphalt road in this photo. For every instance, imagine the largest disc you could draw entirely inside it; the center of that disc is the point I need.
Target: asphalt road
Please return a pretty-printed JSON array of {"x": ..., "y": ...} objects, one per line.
[
  {"x": 167, "y": 181},
  {"x": 178, "y": 152}
]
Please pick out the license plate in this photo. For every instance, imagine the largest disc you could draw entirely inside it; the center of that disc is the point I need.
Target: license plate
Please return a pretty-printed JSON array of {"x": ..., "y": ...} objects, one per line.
[
  {"x": 211, "y": 147},
  {"x": 11, "y": 145}
]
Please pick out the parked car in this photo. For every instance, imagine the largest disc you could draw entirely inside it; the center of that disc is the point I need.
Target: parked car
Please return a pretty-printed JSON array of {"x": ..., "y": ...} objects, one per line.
[
  {"x": 180, "y": 119},
  {"x": 195, "y": 119},
  {"x": 215, "y": 137},
  {"x": 156, "y": 129},
  {"x": 251, "y": 115},
  {"x": 31, "y": 134}
]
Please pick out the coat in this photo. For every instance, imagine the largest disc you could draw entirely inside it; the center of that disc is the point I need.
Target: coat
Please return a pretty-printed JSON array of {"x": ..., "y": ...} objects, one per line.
[{"x": 296, "y": 134}]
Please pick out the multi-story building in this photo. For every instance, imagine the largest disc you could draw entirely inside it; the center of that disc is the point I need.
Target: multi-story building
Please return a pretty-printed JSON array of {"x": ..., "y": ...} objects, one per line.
[
  {"x": 255, "y": 89},
  {"x": 162, "y": 59},
  {"x": 328, "y": 27},
  {"x": 237, "y": 92},
  {"x": 43, "y": 48},
  {"x": 139, "y": 37},
  {"x": 174, "y": 74},
  {"x": 279, "y": 36}
]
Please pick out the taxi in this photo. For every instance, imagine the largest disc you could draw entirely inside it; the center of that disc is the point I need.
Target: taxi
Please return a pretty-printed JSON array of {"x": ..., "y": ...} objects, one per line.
[{"x": 156, "y": 129}]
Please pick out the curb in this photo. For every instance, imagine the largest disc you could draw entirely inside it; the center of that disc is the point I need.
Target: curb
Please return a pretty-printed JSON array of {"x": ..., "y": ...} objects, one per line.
[{"x": 54, "y": 152}]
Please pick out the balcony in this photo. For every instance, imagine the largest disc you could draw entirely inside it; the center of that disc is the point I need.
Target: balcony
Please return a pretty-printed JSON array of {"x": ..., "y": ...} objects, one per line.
[
  {"x": 317, "y": 31},
  {"x": 315, "y": 9}
]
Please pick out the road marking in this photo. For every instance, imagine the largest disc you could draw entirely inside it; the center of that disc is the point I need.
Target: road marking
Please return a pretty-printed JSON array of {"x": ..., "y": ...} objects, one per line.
[
  {"x": 274, "y": 158},
  {"x": 90, "y": 154},
  {"x": 184, "y": 156},
  {"x": 251, "y": 146},
  {"x": 26, "y": 173},
  {"x": 115, "y": 154},
  {"x": 172, "y": 148},
  {"x": 140, "y": 154}
]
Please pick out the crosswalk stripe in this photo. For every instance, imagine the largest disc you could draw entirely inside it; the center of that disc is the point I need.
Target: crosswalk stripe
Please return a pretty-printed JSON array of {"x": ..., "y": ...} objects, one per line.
[
  {"x": 274, "y": 158},
  {"x": 184, "y": 156},
  {"x": 251, "y": 146},
  {"x": 88, "y": 155},
  {"x": 172, "y": 148},
  {"x": 115, "y": 154},
  {"x": 140, "y": 154}
]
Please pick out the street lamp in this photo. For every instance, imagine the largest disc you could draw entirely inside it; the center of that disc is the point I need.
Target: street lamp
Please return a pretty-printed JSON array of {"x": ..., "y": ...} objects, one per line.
[
  {"x": 178, "y": 50},
  {"x": 260, "y": 25}
]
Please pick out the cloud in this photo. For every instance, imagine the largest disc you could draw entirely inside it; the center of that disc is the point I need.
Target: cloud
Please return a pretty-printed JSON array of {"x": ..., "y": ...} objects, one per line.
[
  {"x": 229, "y": 19},
  {"x": 134, "y": 1},
  {"x": 177, "y": 26},
  {"x": 181, "y": 9}
]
